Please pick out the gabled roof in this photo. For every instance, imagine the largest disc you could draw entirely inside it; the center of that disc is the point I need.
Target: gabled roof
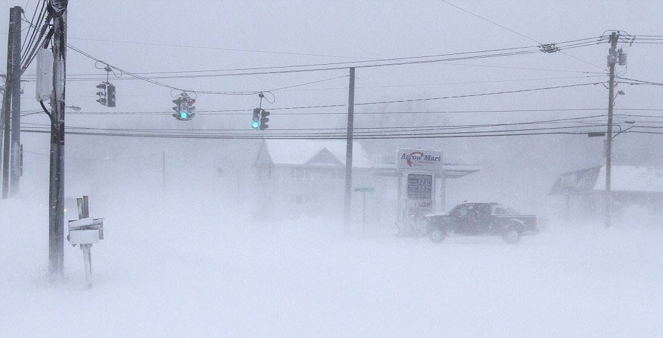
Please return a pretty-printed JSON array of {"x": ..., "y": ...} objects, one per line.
[
  {"x": 623, "y": 178},
  {"x": 327, "y": 153}
]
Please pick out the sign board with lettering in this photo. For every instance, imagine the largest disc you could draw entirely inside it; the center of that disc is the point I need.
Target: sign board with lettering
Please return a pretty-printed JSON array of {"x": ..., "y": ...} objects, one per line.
[
  {"x": 419, "y": 186},
  {"x": 417, "y": 159},
  {"x": 420, "y": 191}
]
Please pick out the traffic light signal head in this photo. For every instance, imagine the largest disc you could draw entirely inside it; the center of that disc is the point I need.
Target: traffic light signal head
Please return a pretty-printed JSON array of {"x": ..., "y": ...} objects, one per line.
[
  {"x": 190, "y": 107},
  {"x": 183, "y": 108},
  {"x": 110, "y": 95},
  {"x": 264, "y": 120},
  {"x": 256, "y": 118},
  {"x": 184, "y": 111},
  {"x": 177, "y": 107},
  {"x": 102, "y": 93}
]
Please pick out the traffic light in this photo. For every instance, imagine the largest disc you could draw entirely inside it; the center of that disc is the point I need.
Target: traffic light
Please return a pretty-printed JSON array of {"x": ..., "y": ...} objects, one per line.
[
  {"x": 184, "y": 108},
  {"x": 190, "y": 107},
  {"x": 177, "y": 108},
  {"x": 264, "y": 120},
  {"x": 110, "y": 95},
  {"x": 184, "y": 114},
  {"x": 256, "y": 118},
  {"x": 101, "y": 93}
]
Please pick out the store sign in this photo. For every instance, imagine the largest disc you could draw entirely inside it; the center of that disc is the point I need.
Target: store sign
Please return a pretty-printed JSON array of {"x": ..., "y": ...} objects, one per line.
[
  {"x": 419, "y": 186},
  {"x": 420, "y": 191},
  {"x": 416, "y": 159}
]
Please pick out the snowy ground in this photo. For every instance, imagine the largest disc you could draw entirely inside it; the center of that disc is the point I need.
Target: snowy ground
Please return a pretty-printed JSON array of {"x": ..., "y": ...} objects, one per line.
[{"x": 210, "y": 276}]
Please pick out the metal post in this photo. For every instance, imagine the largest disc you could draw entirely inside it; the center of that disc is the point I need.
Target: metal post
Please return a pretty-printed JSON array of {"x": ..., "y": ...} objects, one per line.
[
  {"x": 363, "y": 219},
  {"x": 2, "y": 119},
  {"x": 56, "y": 191},
  {"x": 7, "y": 101},
  {"x": 443, "y": 192},
  {"x": 348, "y": 151},
  {"x": 399, "y": 205},
  {"x": 15, "y": 180},
  {"x": 612, "y": 59},
  {"x": 163, "y": 170}
]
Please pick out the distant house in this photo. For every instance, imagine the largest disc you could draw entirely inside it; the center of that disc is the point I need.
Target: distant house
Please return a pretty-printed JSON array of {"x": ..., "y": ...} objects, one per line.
[
  {"x": 307, "y": 177},
  {"x": 631, "y": 187}
]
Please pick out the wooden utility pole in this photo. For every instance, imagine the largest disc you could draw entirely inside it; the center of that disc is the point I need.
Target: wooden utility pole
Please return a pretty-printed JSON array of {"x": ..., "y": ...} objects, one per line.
[
  {"x": 15, "y": 175},
  {"x": 348, "y": 151},
  {"x": 12, "y": 45},
  {"x": 612, "y": 60},
  {"x": 56, "y": 189}
]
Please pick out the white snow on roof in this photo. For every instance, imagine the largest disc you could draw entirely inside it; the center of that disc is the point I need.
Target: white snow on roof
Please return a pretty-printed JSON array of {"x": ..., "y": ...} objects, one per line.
[
  {"x": 631, "y": 178},
  {"x": 298, "y": 152}
]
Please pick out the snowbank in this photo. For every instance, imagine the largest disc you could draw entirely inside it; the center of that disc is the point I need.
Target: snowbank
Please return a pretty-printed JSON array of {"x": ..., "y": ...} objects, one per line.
[{"x": 168, "y": 273}]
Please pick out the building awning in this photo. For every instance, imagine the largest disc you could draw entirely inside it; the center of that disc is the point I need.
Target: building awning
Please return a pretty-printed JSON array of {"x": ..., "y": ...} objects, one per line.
[{"x": 633, "y": 179}]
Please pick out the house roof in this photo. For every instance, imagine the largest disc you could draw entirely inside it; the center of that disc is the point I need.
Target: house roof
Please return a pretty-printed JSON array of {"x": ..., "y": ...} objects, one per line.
[
  {"x": 331, "y": 153},
  {"x": 311, "y": 152},
  {"x": 623, "y": 178}
]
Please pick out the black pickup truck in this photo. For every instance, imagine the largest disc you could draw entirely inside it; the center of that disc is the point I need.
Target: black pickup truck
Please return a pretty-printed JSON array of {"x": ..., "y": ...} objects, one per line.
[{"x": 481, "y": 219}]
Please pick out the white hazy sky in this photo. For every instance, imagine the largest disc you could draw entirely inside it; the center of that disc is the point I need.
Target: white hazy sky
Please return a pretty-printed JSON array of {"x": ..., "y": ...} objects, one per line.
[
  {"x": 239, "y": 34},
  {"x": 139, "y": 36}
]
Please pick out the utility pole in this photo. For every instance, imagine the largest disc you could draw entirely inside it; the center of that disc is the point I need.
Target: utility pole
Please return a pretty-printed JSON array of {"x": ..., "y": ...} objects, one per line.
[
  {"x": 2, "y": 119},
  {"x": 14, "y": 27},
  {"x": 348, "y": 152},
  {"x": 56, "y": 188},
  {"x": 15, "y": 175},
  {"x": 612, "y": 60}
]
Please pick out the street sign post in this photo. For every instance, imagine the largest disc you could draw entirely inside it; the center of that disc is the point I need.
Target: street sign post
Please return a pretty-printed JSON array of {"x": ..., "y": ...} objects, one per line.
[
  {"x": 84, "y": 232},
  {"x": 364, "y": 190}
]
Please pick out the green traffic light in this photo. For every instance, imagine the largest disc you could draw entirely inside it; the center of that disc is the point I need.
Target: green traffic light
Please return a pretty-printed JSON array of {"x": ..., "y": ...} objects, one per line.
[
  {"x": 184, "y": 114},
  {"x": 255, "y": 125}
]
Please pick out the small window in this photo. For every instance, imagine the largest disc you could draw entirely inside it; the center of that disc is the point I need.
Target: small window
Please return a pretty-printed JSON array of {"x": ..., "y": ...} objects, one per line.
[{"x": 300, "y": 174}]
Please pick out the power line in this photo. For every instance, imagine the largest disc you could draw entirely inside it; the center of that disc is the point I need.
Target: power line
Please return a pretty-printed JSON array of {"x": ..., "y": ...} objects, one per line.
[
  {"x": 217, "y": 48},
  {"x": 31, "y": 28},
  {"x": 640, "y": 82},
  {"x": 503, "y": 52},
  {"x": 481, "y": 94},
  {"x": 359, "y": 129},
  {"x": 446, "y": 63},
  {"x": 242, "y": 112},
  {"x": 363, "y": 103},
  {"x": 321, "y": 137},
  {"x": 345, "y": 64},
  {"x": 519, "y": 34}
]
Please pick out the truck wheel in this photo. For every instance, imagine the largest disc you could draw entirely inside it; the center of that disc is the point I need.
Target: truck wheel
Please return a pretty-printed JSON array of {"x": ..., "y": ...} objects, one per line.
[
  {"x": 437, "y": 235},
  {"x": 511, "y": 236}
]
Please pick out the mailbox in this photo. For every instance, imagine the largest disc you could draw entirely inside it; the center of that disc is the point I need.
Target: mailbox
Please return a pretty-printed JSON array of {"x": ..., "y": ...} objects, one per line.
[{"x": 86, "y": 231}]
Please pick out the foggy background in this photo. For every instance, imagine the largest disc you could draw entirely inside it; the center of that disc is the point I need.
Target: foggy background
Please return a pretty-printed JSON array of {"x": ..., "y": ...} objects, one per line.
[
  {"x": 149, "y": 36},
  {"x": 185, "y": 253}
]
